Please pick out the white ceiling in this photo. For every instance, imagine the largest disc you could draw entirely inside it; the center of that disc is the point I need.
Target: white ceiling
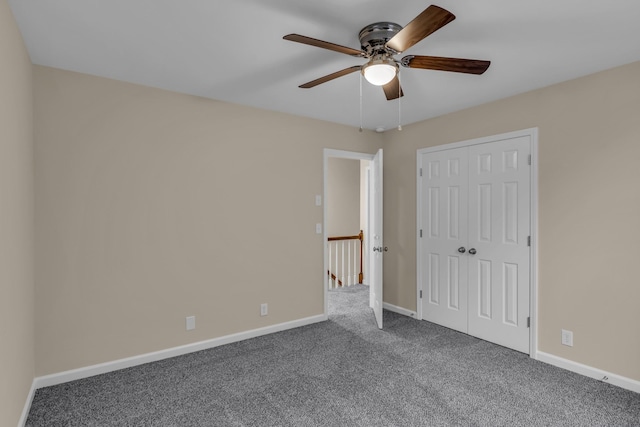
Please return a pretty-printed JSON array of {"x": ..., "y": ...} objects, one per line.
[{"x": 232, "y": 50}]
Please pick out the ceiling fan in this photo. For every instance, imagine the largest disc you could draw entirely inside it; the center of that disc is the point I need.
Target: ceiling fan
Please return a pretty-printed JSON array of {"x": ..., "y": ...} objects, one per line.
[{"x": 381, "y": 41}]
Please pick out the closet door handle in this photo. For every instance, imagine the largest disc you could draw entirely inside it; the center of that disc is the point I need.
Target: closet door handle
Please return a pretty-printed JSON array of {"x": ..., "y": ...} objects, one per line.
[
  {"x": 472, "y": 251},
  {"x": 461, "y": 249}
]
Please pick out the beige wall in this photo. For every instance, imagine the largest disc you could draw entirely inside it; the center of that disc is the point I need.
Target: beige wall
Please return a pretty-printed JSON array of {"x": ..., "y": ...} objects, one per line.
[
  {"x": 153, "y": 206},
  {"x": 16, "y": 221},
  {"x": 343, "y": 197},
  {"x": 589, "y": 208}
]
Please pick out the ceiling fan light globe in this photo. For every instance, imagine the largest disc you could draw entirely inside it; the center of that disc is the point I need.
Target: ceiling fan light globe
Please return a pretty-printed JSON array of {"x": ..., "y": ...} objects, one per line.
[{"x": 379, "y": 74}]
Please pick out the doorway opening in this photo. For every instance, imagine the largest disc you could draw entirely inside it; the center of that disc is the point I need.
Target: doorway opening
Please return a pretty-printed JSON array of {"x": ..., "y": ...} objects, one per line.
[{"x": 347, "y": 230}]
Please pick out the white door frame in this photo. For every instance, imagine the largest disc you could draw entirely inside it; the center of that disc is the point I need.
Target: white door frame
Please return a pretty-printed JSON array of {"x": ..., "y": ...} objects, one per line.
[
  {"x": 533, "y": 257},
  {"x": 341, "y": 154}
]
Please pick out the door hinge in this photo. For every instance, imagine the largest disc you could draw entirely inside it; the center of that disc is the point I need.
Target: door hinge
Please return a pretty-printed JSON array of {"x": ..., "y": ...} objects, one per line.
[
  {"x": 421, "y": 233},
  {"x": 528, "y": 322},
  {"x": 528, "y": 240},
  {"x": 529, "y": 160},
  {"x": 420, "y": 294},
  {"x": 420, "y": 171}
]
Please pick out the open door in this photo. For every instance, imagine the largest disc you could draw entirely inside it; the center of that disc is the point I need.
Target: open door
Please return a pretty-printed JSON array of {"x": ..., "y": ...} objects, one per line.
[{"x": 377, "y": 245}]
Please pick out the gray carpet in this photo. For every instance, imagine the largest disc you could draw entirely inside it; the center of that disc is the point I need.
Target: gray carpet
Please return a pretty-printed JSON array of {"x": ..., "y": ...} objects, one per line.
[{"x": 339, "y": 373}]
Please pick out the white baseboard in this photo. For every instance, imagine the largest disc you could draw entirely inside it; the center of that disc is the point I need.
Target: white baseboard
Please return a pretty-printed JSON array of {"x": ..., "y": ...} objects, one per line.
[
  {"x": 588, "y": 371},
  {"x": 399, "y": 310},
  {"x": 89, "y": 371},
  {"x": 27, "y": 404}
]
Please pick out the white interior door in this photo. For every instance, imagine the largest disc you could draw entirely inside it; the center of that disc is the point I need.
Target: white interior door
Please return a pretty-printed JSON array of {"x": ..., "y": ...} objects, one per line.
[
  {"x": 377, "y": 245},
  {"x": 475, "y": 254},
  {"x": 445, "y": 177},
  {"x": 499, "y": 198},
  {"x": 368, "y": 253}
]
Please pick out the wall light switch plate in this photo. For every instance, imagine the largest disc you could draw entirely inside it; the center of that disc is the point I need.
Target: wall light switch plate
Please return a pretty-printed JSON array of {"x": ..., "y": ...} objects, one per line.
[
  {"x": 318, "y": 228},
  {"x": 264, "y": 309},
  {"x": 318, "y": 200}
]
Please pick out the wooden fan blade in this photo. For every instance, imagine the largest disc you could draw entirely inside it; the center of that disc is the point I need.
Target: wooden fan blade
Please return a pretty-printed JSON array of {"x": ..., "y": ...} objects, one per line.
[
  {"x": 457, "y": 65},
  {"x": 331, "y": 76},
  {"x": 392, "y": 90},
  {"x": 323, "y": 44},
  {"x": 430, "y": 20}
]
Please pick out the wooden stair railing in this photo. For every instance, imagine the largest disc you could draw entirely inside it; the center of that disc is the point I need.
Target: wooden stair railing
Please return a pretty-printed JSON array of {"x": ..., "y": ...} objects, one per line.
[{"x": 332, "y": 276}]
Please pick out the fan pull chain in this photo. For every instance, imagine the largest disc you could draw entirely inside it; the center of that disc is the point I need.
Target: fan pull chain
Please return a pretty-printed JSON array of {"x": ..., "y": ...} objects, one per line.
[
  {"x": 360, "y": 130},
  {"x": 399, "y": 102}
]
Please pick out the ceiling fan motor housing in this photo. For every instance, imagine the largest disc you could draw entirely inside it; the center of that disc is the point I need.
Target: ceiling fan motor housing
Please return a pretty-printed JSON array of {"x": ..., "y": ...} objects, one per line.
[{"x": 374, "y": 36}]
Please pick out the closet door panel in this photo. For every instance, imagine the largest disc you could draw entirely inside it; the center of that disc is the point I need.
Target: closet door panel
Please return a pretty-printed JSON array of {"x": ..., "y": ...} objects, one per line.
[
  {"x": 499, "y": 226},
  {"x": 445, "y": 210}
]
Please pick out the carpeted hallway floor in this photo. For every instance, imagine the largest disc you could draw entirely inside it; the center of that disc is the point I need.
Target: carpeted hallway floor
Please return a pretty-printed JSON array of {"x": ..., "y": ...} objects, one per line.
[{"x": 344, "y": 372}]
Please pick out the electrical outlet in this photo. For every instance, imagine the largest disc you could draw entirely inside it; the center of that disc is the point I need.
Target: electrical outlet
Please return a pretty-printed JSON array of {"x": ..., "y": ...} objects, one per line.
[
  {"x": 318, "y": 228},
  {"x": 318, "y": 200},
  {"x": 567, "y": 338},
  {"x": 264, "y": 309},
  {"x": 191, "y": 322}
]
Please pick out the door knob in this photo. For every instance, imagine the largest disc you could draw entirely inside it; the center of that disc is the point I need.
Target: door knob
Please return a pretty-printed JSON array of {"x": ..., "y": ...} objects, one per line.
[
  {"x": 386, "y": 249},
  {"x": 461, "y": 249},
  {"x": 472, "y": 251}
]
